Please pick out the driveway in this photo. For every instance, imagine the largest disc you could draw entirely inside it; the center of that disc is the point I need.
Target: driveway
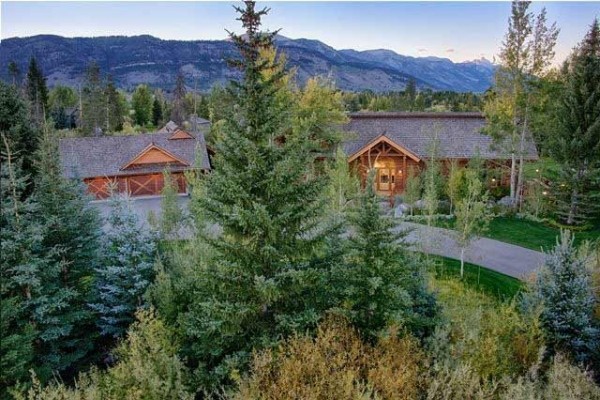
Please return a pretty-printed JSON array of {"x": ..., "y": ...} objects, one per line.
[
  {"x": 508, "y": 259},
  {"x": 142, "y": 206}
]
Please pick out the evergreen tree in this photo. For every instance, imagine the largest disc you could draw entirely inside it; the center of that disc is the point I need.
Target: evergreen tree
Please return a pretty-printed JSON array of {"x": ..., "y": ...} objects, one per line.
[
  {"x": 14, "y": 72},
  {"x": 93, "y": 102},
  {"x": 114, "y": 108},
  {"x": 564, "y": 289},
  {"x": 125, "y": 269},
  {"x": 22, "y": 136},
  {"x": 379, "y": 284},
  {"x": 575, "y": 143},
  {"x": 73, "y": 230},
  {"x": 411, "y": 92},
  {"x": 178, "y": 110},
  {"x": 157, "y": 111},
  {"x": 265, "y": 197},
  {"x": 20, "y": 262},
  {"x": 141, "y": 101},
  {"x": 37, "y": 93},
  {"x": 61, "y": 98}
]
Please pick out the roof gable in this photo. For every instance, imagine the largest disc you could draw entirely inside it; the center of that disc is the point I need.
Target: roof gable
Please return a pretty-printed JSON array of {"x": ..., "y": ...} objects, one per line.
[
  {"x": 154, "y": 154},
  {"x": 383, "y": 139},
  {"x": 181, "y": 134}
]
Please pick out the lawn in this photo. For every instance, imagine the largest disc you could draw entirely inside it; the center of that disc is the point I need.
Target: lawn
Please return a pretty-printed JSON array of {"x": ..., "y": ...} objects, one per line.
[
  {"x": 491, "y": 282},
  {"x": 532, "y": 235}
]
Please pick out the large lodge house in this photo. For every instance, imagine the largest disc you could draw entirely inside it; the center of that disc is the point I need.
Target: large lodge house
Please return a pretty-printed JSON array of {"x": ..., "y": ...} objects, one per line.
[{"x": 394, "y": 144}]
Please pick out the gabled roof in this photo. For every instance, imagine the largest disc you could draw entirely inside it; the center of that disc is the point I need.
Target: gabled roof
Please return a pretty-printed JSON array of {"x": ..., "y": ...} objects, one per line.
[
  {"x": 383, "y": 139},
  {"x": 106, "y": 155},
  {"x": 181, "y": 134},
  {"x": 168, "y": 128},
  {"x": 153, "y": 154},
  {"x": 459, "y": 134}
]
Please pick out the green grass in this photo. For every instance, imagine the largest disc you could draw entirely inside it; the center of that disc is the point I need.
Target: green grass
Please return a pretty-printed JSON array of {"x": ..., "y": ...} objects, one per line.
[
  {"x": 490, "y": 282},
  {"x": 532, "y": 235}
]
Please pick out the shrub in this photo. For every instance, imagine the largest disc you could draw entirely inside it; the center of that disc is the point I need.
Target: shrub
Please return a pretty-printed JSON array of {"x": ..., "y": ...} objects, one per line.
[
  {"x": 335, "y": 365},
  {"x": 148, "y": 368},
  {"x": 493, "y": 339}
]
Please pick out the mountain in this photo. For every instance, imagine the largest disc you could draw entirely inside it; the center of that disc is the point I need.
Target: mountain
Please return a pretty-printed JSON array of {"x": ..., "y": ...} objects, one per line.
[{"x": 146, "y": 59}]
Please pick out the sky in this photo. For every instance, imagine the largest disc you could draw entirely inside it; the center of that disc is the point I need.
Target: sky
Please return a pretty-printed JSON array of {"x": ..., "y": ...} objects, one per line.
[{"x": 456, "y": 30}]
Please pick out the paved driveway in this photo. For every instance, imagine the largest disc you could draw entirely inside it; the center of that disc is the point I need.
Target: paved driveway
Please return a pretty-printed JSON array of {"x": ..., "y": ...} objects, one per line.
[
  {"x": 508, "y": 259},
  {"x": 142, "y": 206}
]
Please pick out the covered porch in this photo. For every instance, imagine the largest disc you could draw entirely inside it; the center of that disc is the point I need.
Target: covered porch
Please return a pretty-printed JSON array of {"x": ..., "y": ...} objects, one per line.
[{"x": 392, "y": 164}]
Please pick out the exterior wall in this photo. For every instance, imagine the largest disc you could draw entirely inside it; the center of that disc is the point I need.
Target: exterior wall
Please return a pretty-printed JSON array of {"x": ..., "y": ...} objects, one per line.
[{"x": 134, "y": 185}]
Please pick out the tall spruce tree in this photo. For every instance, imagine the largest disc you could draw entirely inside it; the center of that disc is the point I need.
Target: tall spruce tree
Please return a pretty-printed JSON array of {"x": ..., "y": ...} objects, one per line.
[
  {"x": 268, "y": 204},
  {"x": 37, "y": 93},
  {"x": 114, "y": 108},
  {"x": 178, "y": 114},
  {"x": 93, "y": 102},
  {"x": 21, "y": 234},
  {"x": 73, "y": 231},
  {"x": 575, "y": 143},
  {"x": 157, "y": 110},
  {"x": 125, "y": 269},
  {"x": 22, "y": 136},
  {"x": 14, "y": 72}
]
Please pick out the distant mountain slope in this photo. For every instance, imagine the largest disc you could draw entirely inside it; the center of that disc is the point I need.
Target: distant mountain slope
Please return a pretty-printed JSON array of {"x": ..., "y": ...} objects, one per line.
[{"x": 146, "y": 59}]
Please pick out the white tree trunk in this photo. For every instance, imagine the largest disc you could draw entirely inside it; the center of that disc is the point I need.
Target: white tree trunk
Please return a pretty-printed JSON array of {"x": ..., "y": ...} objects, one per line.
[{"x": 462, "y": 262}]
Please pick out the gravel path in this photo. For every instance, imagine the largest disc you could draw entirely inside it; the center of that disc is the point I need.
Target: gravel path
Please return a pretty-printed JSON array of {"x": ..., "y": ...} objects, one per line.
[{"x": 506, "y": 258}]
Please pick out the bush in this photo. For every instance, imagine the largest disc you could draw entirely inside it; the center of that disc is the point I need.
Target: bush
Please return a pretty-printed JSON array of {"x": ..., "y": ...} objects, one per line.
[
  {"x": 336, "y": 365},
  {"x": 493, "y": 339},
  {"x": 147, "y": 368}
]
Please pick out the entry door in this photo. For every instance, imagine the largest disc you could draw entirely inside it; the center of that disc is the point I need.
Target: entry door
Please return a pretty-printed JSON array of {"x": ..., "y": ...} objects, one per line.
[{"x": 385, "y": 179}]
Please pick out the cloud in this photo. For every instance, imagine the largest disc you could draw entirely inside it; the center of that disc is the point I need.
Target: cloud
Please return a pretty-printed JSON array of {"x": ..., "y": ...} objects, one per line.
[
  {"x": 421, "y": 50},
  {"x": 450, "y": 50}
]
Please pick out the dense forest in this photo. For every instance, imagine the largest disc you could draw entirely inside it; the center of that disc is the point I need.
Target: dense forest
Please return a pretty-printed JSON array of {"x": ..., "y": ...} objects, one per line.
[{"x": 306, "y": 289}]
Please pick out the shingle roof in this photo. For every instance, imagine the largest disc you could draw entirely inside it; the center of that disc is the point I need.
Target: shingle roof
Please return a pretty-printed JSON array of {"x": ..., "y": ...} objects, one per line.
[
  {"x": 459, "y": 134},
  {"x": 104, "y": 156}
]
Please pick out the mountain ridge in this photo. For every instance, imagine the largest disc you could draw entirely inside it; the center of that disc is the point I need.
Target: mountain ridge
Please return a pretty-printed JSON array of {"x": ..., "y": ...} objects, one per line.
[{"x": 132, "y": 60}]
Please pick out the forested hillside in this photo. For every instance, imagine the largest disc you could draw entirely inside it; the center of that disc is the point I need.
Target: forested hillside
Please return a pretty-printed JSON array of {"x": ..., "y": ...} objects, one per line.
[{"x": 149, "y": 60}]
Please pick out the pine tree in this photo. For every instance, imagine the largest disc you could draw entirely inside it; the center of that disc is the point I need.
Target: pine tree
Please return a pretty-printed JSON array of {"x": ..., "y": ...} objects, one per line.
[
  {"x": 37, "y": 93},
  {"x": 157, "y": 111},
  {"x": 575, "y": 143},
  {"x": 20, "y": 263},
  {"x": 141, "y": 102},
  {"x": 22, "y": 136},
  {"x": 125, "y": 269},
  {"x": 564, "y": 290},
  {"x": 93, "y": 102},
  {"x": 14, "y": 72},
  {"x": 265, "y": 197},
  {"x": 61, "y": 98},
  {"x": 114, "y": 109},
  {"x": 380, "y": 285},
  {"x": 73, "y": 231},
  {"x": 178, "y": 110}
]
